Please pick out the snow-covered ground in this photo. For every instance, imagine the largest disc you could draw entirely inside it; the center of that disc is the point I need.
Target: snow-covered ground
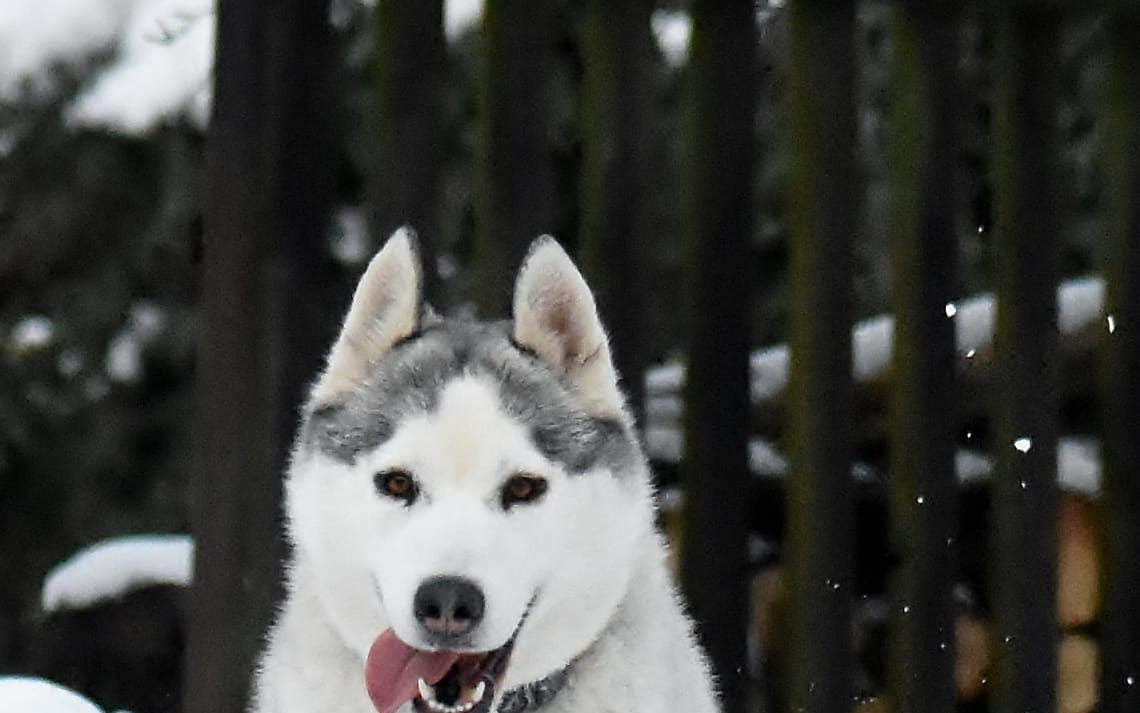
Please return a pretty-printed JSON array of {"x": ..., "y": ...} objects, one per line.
[
  {"x": 114, "y": 567},
  {"x": 35, "y": 695}
]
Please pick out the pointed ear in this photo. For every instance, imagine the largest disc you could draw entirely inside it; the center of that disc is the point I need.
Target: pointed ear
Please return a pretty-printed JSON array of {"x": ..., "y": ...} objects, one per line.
[
  {"x": 555, "y": 316},
  {"x": 385, "y": 309}
]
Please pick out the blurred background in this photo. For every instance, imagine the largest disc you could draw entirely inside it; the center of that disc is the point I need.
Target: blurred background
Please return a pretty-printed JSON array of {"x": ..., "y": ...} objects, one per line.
[{"x": 189, "y": 192}]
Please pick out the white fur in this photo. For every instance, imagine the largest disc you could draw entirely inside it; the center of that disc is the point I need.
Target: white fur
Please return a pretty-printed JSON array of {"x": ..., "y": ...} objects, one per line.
[
  {"x": 587, "y": 554},
  {"x": 384, "y": 310},
  {"x": 555, "y": 316}
]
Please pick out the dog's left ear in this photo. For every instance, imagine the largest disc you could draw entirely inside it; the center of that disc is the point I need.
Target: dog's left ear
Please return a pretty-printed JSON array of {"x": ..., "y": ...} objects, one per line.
[{"x": 555, "y": 317}]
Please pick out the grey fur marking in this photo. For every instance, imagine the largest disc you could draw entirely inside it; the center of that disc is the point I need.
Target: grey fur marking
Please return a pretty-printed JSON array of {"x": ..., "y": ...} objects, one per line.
[{"x": 408, "y": 380}]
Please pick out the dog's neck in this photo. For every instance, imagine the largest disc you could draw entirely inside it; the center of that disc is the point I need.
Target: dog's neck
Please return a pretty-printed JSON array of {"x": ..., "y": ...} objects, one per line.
[{"x": 532, "y": 696}]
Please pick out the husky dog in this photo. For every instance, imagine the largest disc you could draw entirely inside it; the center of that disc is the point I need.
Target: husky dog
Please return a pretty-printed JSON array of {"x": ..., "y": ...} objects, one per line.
[{"x": 473, "y": 517}]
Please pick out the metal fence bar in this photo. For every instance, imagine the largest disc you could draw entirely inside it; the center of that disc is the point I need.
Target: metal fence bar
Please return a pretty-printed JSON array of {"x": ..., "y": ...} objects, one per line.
[
  {"x": 823, "y": 199},
  {"x": 1024, "y": 511},
  {"x": 516, "y": 198},
  {"x": 1120, "y": 631},
  {"x": 923, "y": 488},
  {"x": 722, "y": 86}
]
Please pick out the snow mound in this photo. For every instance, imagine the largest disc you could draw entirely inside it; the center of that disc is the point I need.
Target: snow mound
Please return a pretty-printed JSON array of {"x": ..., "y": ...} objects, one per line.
[
  {"x": 36, "y": 35},
  {"x": 461, "y": 16},
  {"x": 114, "y": 567},
  {"x": 35, "y": 695},
  {"x": 162, "y": 71}
]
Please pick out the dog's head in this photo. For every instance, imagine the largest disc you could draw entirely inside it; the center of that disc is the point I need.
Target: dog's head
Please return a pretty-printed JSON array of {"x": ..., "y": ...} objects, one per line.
[{"x": 464, "y": 490}]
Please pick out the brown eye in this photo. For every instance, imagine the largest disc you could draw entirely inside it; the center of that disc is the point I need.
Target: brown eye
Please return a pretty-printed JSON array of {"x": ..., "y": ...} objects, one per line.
[
  {"x": 398, "y": 484},
  {"x": 522, "y": 488}
]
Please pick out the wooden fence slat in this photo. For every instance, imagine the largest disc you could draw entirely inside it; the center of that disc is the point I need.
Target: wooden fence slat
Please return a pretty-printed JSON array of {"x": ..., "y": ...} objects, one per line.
[
  {"x": 1120, "y": 625},
  {"x": 719, "y": 131},
  {"x": 1024, "y": 511},
  {"x": 923, "y": 484},
  {"x": 823, "y": 198}
]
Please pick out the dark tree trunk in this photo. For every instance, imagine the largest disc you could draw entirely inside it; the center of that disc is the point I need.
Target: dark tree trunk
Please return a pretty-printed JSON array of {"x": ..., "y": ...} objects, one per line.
[
  {"x": 722, "y": 88},
  {"x": 516, "y": 180},
  {"x": 615, "y": 107},
  {"x": 411, "y": 65},
  {"x": 266, "y": 321}
]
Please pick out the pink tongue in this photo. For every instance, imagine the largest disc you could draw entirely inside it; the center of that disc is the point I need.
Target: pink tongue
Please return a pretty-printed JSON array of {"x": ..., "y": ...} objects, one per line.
[{"x": 393, "y": 668}]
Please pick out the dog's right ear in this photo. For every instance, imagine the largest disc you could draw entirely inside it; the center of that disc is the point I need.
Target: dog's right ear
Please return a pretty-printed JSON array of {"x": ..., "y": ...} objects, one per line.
[{"x": 385, "y": 309}]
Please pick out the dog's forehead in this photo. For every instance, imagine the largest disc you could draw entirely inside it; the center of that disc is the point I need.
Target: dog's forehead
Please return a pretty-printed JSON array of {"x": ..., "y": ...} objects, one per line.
[{"x": 410, "y": 380}]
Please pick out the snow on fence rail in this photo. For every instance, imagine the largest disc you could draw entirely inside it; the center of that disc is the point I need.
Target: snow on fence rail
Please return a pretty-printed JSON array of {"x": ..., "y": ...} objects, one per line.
[
  {"x": 1081, "y": 320},
  {"x": 114, "y": 567}
]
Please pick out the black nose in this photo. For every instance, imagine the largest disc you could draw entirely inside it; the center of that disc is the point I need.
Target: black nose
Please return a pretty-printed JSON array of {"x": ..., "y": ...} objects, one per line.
[{"x": 448, "y": 606}]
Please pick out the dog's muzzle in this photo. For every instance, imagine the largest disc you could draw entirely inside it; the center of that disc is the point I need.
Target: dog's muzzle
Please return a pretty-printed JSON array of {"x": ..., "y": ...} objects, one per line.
[{"x": 443, "y": 681}]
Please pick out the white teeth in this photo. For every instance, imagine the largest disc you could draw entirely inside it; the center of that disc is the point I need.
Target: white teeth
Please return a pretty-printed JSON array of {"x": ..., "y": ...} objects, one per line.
[{"x": 427, "y": 693}]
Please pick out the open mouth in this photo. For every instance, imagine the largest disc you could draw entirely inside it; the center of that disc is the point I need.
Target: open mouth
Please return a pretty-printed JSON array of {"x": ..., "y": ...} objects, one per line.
[{"x": 435, "y": 681}]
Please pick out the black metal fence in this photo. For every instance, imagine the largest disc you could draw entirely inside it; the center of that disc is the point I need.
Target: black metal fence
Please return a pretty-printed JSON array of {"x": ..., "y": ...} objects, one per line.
[
  {"x": 1023, "y": 399},
  {"x": 822, "y": 411}
]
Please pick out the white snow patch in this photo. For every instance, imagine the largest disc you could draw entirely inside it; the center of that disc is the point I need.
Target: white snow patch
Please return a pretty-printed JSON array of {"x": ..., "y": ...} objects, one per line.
[
  {"x": 672, "y": 30},
  {"x": 124, "y": 353},
  {"x": 1078, "y": 461},
  {"x": 446, "y": 266},
  {"x": 459, "y": 16},
  {"x": 1079, "y": 465},
  {"x": 36, "y": 35},
  {"x": 765, "y": 459},
  {"x": 19, "y": 694},
  {"x": 1080, "y": 304},
  {"x": 70, "y": 362},
  {"x": 971, "y": 466},
  {"x": 663, "y": 443},
  {"x": 31, "y": 333},
  {"x": 769, "y": 368},
  {"x": 872, "y": 346},
  {"x": 350, "y": 236},
  {"x": 666, "y": 444},
  {"x": 162, "y": 70},
  {"x": 114, "y": 567}
]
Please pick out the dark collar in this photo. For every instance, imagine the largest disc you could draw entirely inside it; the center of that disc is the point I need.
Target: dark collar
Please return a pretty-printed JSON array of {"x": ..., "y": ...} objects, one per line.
[{"x": 532, "y": 696}]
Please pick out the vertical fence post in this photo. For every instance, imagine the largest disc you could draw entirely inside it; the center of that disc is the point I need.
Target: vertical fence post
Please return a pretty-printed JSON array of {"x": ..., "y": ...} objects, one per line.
[
  {"x": 722, "y": 84},
  {"x": 824, "y": 192},
  {"x": 265, "y": 326},
  {"x": 411, "y": 121},
  {"x": 1024, "y": 514},
  {"x": 515, "y": 179},
  {"x": 615, "y": 105},
  {"x": 1120, "y": 629},
  {"x": 923, "y": 487}
]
